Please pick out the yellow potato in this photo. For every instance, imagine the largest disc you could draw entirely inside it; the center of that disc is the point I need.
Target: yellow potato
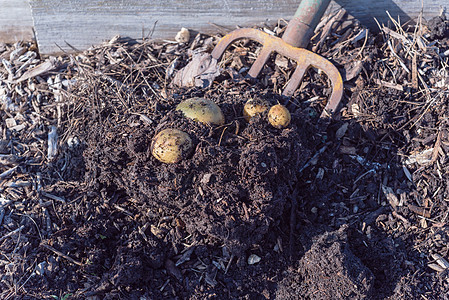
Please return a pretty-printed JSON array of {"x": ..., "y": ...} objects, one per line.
[
  {"x": 202, "y": 110},
  {"x": 279, "y": 116},
  {"x": 171, "y": 145},
  {"x": 253, "y": 107}
]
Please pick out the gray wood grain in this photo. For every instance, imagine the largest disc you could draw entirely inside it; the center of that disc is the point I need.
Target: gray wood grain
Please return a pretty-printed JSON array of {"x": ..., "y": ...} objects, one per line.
[
  {"x": 82, "y": 23},
  {"x": 16, "y": 22}
]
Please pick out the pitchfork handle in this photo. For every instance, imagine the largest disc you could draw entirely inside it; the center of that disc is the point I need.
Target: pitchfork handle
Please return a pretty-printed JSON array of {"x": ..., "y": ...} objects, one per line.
[{"x": 300, "y": 29}]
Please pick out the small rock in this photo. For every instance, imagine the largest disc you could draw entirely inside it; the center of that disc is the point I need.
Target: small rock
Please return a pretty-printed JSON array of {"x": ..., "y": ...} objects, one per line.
[
  {"x": 10, "y": 122},
  {"x": 206, "y": 178},
  {"x": 53, "y": 265},
  {"x": 73, "y": 142},
  {"x": 183, "y": 36},
  {"x": 40, "y": 268},
  {"x": 253, "y": 259}
]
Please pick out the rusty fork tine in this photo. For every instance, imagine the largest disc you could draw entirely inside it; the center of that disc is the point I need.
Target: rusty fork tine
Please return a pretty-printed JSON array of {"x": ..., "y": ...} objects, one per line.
[
  {"x": 238, "y": 34},
  {"x": 262, "y": 58},
  {"x": 248, "y": 33},
  {"x": 334, "y": 76},
  {"x": 295, "y": 80}
]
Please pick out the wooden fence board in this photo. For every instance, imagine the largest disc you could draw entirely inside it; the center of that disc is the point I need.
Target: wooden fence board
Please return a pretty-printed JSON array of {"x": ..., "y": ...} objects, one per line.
[
  {"x": 15, "y": 21},
  {"x": 82, "y": 23}
]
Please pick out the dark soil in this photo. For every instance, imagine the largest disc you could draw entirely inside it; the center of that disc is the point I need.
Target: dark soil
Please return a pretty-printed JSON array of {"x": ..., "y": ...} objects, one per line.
[{"x": 318, "y": 210}]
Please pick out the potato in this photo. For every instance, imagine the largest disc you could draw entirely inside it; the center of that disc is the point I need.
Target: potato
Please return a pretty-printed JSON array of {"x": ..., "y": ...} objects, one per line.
[
  {"x": 279, "y": 116},
  {"x": 202, "y": 110},
  {"x": 253, "y": 107},
  {"x": 171, "y": 146}
]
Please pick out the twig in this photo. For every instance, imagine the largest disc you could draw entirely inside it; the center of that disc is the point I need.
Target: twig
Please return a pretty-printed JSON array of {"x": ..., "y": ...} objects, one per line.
[
  {"x": 313, "y": 157},
  {"x": 328, "y": 28},
  {"x": 229, "y": 263},
  {"x": 397, "y": 57},
  {"x": 53, "y": 197},
  {"x": 62, "y": 255},
  {"x": 11, "y": 233},
  {"x": 364, "y": 43},
  {"x": 7, "y": 172}
]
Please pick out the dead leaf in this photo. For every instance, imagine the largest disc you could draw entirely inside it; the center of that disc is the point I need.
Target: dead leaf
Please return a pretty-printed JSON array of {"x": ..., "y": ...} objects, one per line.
[{"x": 201, "y": 72}]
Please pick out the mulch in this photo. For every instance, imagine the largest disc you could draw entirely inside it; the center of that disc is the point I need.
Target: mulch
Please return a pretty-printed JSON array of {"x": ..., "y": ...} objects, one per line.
[{"x": 352, "y": 208}]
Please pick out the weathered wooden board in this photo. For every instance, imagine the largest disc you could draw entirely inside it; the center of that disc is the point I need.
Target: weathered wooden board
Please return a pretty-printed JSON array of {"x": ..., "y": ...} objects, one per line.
[
  {"x": 16, "y": 22},
  {"x": 82, "y": 23}
]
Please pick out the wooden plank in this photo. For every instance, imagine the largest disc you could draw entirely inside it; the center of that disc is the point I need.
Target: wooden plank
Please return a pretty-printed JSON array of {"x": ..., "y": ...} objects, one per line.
[
  {"x": 82, "y": 23},
  {"x": 16, "y": 22}
]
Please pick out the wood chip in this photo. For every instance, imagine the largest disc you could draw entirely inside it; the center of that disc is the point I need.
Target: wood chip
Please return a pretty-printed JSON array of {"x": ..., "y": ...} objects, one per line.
[
  {"x": 173, "y": 270},
  {"x": 391, "y": 197},
  {"x": 342, "y": 131},
  {"x": 419, "y": 210},
  {"x": 53, "y": 197},
  {"x": 436, "y": 267},
  {"x": 389, "y": 85},
  {"x": 45, "y": 67},
  {"x": 440, "y": 260},
  {"x": 348, "y": 150},
  {"x": 422, "y": 158},
  {"x": 436, "y": 148}
]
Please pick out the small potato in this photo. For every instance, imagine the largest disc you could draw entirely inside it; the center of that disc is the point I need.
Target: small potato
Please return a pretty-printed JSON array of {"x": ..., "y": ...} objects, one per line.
[
  {"x": 202, "y": 110},
  {"x": 171, "y": 145},
  {"x": 253, "y": 107},
  {"x": 279, "y": 116}
]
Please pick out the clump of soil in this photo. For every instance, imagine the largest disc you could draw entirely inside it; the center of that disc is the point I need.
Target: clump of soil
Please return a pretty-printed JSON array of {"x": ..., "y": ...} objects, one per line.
[
  {"x": 328, "y": 270},
  {"x": 231, "y": 188}
]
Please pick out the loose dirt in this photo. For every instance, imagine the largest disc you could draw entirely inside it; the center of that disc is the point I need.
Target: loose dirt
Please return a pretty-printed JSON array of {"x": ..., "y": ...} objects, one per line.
[{"x": 353, "y": 208}]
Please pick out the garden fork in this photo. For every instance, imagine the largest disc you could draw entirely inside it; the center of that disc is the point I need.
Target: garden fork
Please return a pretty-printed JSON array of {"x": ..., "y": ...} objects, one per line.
[{"x": 292, "y": 45}]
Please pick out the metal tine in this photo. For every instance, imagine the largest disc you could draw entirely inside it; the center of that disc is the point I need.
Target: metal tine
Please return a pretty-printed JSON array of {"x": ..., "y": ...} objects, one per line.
[
  {"x": 295, "y": 80},
  {"x": 262, "y": 58}
]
